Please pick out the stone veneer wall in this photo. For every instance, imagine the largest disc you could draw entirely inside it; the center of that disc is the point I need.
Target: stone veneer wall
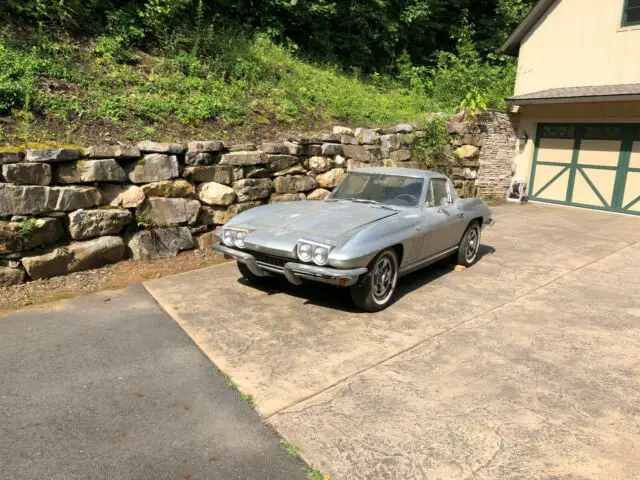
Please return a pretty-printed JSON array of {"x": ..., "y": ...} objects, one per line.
[
  {"x": 498, "y": 155},
  {"x": 64, "y": 210}
]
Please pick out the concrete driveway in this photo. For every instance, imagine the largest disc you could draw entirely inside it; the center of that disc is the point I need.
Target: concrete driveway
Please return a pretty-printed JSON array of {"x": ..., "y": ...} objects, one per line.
[{"x": 525, "y": 366}]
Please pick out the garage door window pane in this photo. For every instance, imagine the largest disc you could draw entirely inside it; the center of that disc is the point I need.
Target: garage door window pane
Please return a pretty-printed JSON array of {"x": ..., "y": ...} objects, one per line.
[
  {"x": 603, "y": 132},
  {"x": 631, "y": 15},
  {"x": 558, "y": 131}
]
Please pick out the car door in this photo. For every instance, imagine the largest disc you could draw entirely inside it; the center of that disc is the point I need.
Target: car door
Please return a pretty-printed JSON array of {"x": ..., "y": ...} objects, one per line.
[{"x": 445, "y": 218}]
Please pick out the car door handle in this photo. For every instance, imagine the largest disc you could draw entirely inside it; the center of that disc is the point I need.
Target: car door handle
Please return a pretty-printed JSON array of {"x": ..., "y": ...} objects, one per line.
[{"x": 418, "y": 228}]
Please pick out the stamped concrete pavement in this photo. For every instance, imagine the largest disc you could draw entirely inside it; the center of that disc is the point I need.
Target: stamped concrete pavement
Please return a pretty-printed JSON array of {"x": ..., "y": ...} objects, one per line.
[{"x": 524, "y": 366}]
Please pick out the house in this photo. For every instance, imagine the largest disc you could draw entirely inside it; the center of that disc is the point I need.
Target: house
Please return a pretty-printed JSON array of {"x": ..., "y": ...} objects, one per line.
[{"x": 577, "y": 94}]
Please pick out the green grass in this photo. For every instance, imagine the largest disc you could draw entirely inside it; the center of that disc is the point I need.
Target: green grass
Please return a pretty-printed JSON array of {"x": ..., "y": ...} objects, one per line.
[{"x": 65, "y": 90}]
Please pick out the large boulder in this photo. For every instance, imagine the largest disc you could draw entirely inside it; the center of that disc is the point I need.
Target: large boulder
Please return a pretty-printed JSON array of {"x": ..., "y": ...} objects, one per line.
[
  {"x": 213, "y": 216},
  {"x": 113, "y": 151},
  {"x": 331, "y": 178},
  {"x": 251, "y": 189},
  {"x": 221, "y": 215},
  {"x": 401, "y": 155},
  {"x": 318, "y": 194},
  {"x": 200, "y": 158},
  {"x": 402, "y": 128},
  {"x": 389, "y": 142},
  {"x": 355, "y": 164},
  {"x": 280, "y": 162},
  {"x": 212, "y": 193},
  {"x": 124, "y": 196},
  {"x": 168, "y": 212},
  {"x": 11, "y": 157},
  {"x": 312, "y": 150},
  {"x": 275, "y": 148},
  {"x": 218, "y": 173},
  {"x": 29, "y": 233},
  {"x": 319, "y": 164},
  {"x": 338, "y": 130},
  {"x": 209, "y": 146},
  {"x": 456, "y": 126},
  {"x": 27, "y": 173},
  {"x": 206, "y": 240},
  {"x": 29, "y": 200},
  {"x": 362, "y": 153},
  {"x": 243, "y": 158},
  {"x": 179, "y": 188},
  {"x": 293, "y": 148},
  {"x": 366, "y": 136},
  {"x": 85, "y": 224},
  {"x": 52, "y": 155},
  {"x": 11, "y": 276},
  {"x": 287, "y": 197},
  {"x": 468, "y": 152},
  {"x": 84, "y": 171},
  {"x": 75, "y": 257},
  {"x": 153, "y": 168},
  {"x": 295, "y": 170},
  {"x": 331, "y": 149},
  {"x": 257, "y": 171},
  {"x": 294, "y": 184},
  {"x": 241, "y": 147},
  {"x": 157, "y": 147},
  {"x": 159, "y": 243}
]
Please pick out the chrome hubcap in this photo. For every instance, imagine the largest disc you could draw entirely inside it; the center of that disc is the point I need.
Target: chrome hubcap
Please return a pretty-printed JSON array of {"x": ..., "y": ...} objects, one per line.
[
  {"x": 473, "y": 243},
  {"x": 383, "y": 278}
]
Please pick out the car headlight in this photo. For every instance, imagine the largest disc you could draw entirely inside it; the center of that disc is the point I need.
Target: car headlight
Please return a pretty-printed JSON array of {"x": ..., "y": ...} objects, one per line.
[
  {"x": 240, "y": 236},
  {"x": 229, "y": 237},
  {"x": 310, "y": 251},
  {"x": 305, "y": 252},
  {"x": 320, "y": 255}
]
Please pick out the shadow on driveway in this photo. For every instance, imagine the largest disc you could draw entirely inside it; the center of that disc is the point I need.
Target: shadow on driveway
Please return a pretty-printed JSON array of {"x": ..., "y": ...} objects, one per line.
[{"x": 328, "y": 296}]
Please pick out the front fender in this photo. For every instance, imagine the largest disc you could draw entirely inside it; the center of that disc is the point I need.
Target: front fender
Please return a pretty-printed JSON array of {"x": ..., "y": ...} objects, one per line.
[{"x": 362, "y": 246}]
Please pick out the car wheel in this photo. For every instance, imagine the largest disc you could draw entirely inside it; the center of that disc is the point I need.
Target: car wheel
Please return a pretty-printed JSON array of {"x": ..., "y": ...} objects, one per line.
[
  {"x": 469, "y": 245},
  {"x": 248, "y": 274},
  {"x": 375, "y": 290}
]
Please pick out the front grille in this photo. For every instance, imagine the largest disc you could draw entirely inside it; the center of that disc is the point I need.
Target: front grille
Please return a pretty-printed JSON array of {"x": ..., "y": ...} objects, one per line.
[{"x": 269, "y": 259}]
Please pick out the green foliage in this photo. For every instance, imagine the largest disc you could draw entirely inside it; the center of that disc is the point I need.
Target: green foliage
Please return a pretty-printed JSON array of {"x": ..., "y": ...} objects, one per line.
[
  {"x": 290, "y": 448},
  {"x": 465, "y": 80},
  {"x": 428, "y": 148},
  {"x": 141, "y": 64},
  {"x": 29, "y": 226}
]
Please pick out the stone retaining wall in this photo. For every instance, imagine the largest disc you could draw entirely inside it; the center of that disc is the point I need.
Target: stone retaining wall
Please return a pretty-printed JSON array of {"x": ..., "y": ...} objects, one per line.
[{"x": 65, "y": 210}]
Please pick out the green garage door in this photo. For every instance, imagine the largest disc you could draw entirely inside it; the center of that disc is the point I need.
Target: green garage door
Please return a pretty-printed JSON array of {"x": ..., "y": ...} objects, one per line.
[{"x": 588, "y": 165}]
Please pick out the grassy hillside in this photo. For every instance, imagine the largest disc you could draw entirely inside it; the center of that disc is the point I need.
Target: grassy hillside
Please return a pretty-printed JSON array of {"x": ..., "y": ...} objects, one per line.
[
  {"x": 80, "y": 90},
  {"x": 94, "y": 90}
]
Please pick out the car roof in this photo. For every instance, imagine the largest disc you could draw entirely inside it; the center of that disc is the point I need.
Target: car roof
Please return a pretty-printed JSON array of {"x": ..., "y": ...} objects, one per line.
[{"x": 403, "y": 172}]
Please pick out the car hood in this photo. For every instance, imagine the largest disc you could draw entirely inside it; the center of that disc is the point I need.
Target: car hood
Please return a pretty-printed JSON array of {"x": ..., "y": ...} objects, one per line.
[{"x": 328, "y": 219}]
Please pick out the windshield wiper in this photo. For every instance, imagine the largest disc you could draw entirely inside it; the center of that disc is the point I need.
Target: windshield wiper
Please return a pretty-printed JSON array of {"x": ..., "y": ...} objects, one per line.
[{"x": 371, "y": 202}]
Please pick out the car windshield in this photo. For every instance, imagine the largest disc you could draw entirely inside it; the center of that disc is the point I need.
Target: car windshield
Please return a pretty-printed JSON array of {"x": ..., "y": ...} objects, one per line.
[{"x": 382, "y": 189}]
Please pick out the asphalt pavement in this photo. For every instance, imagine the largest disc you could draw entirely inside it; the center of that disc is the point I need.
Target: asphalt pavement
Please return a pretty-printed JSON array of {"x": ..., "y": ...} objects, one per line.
[{"x": 109, "y": 387}]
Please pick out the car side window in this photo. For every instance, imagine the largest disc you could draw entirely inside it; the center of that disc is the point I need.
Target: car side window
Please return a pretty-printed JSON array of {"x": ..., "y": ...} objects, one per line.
[{"x": 438, "y": 191}]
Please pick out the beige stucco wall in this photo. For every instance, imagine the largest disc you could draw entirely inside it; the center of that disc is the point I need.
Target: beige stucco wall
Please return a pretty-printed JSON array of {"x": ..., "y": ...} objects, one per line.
[
  {"x": 579, "y": 43},
  {"x": 532, "y": 115}
]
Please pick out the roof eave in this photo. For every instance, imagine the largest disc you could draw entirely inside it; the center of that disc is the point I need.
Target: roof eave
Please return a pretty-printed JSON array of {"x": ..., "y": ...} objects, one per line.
[
  {"x": 582, "y": 99},
  {"x": 512, "y": 45}
]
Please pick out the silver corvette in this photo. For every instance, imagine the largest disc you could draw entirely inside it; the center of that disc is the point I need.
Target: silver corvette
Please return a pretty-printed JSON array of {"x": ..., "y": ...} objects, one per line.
[{"x": 377, "y": 225}]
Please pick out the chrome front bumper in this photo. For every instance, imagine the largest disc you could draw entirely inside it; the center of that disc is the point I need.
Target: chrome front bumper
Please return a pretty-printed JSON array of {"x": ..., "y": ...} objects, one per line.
[{"x": 293, "y": 271}]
